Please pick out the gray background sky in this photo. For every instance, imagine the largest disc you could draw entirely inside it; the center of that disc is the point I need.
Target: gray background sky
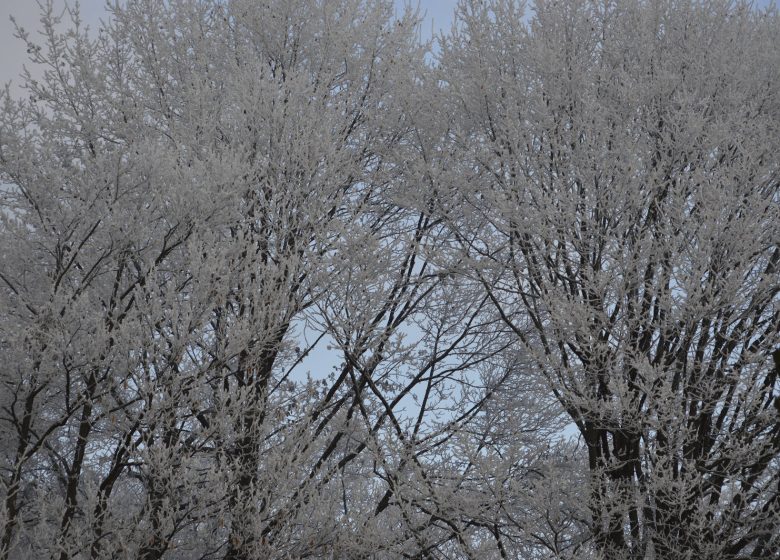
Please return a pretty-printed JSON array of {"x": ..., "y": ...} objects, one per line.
[{"x": 13, "y": 56}]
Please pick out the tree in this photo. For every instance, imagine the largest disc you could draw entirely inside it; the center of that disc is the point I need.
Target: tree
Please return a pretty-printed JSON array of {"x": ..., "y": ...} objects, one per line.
[
  {"x": 617, "y": 197},
  {"x": 566, "y": 223},
  {"x": 178, "y": 183},
  {"x": 191, "y": 192}
]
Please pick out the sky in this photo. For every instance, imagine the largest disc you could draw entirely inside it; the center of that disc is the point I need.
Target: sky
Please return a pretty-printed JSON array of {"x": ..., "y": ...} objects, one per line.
[{"x": 13, "y": 55}]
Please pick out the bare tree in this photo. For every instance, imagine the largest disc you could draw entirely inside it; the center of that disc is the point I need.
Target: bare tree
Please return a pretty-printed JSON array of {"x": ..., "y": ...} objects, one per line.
[
  {"x": 617, "y": 198},
  {"x": 567, "y": 224},
  {"x": 188, "y": 190},
  {"x": 178, "y": 182}
]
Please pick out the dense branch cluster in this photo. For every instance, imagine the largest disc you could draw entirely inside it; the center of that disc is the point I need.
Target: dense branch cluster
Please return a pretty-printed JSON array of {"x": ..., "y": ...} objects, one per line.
[{"x": 279, "y": 280}]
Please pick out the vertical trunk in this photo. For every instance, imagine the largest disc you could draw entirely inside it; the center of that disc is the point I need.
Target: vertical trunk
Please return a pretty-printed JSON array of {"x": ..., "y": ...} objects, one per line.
[
  {"x": 243, "y": 538},
  {"x": 611, "y": 496},
  {"x": 74, "y": 472},
  {"x": 12, "y": 492},
  {"x": 106, "y": 488},
  {"x": 156, "y": 545},
  {"x": 160, "y": 485}
]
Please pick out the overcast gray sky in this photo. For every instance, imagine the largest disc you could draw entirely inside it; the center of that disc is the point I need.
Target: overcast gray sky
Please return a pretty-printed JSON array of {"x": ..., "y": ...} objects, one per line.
[{"x": 13, "y": 56}]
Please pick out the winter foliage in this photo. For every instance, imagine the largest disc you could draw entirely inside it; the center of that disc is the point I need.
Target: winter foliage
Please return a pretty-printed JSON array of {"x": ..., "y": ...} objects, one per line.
[{"x": 280, "y": 280}]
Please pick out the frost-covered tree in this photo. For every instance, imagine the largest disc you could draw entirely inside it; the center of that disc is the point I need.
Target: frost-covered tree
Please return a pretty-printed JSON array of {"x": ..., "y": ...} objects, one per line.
[
  {"x": 568, "y": 222},
  {"x": 181, "y": 190},
  {"x": 198, "y": 196},
  {"x": 616, "y": 173}
]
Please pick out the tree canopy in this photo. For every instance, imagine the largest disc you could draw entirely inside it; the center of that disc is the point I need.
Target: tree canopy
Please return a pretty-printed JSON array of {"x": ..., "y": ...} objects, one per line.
[{"x": 281, "y": 280}]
